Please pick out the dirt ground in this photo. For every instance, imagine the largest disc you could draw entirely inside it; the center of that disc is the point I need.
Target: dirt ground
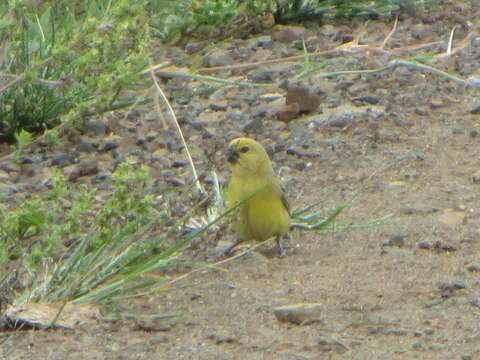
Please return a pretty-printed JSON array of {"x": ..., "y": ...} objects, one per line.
[{"x": 406, "y": 289}]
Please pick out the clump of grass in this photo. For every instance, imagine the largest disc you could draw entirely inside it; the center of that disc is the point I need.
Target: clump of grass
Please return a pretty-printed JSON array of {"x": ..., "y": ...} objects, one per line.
[{"x": 66, "y": 60}]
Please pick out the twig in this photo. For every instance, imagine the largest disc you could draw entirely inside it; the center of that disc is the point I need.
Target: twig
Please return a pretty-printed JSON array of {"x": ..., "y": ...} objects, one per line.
[
  {"x": 207, "y": 266},
  {"x": 461, "y": 45},
  {"x": 175, "y": 121},
  {"x": 182, "y": 75},
  {"x": 245, "y": 66},
  {"x": 450, "y": 40},
  {"x": 398, "y": 62},
  {"x": 156, "y": 67},
  {"x": 384, "y": 43},
  {"x": 19, "y": 78}
]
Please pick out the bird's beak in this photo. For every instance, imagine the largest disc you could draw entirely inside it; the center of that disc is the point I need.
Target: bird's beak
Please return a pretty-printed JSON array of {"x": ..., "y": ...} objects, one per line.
[{"x": 232, "y": 155}]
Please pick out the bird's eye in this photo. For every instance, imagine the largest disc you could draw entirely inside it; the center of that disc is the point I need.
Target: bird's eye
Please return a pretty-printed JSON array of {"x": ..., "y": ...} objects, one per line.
[{"x": 244, "y": 149}]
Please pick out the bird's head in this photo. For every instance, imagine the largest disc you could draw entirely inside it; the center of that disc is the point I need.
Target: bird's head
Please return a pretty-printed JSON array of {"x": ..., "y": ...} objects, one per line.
[{"x": 248, "y": 157}]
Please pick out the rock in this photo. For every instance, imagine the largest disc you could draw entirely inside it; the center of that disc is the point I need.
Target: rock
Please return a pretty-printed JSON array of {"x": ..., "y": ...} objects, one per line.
[
  {"x": 328, "y": 345},
  {"x": 264, "y": 75},
  {"x": 417, "y": 345},
  {"x": 421, "y": 209},
  {"x": 7, "y": 189},
  {"x": 85, "y": 145},
  {"x": 102, "y": 177},
  {"x": 108, "y": 145},
  {"x": 151, "y": 136},
  {"x": 287, "y": 113},
  {"x": 217, "y": 58},
  {"x": 425, "y": 245},
  {"x": 179, "y": 163},
  {"x": 253, "y": 126},
  {"x": 338, "y": 119},
  {"x": 437, "y": 245},
  {"x": 221, "y": 105},
  {"x": 436, "y": 103},
  {"x": 447, "y": 289},
  {"x": 235, "y": 115},
  {"x": 451, "y": 217},
  {"x": 95, "y": 127},
  {"x": 10, "y": 167},
  {"x": 303, "y": 95},
  {"x": 300, "y": 153},
  {"x": 473, "y": 133},
  {"x": 387, "y": 331},
  {"x": 85, "y": 168},
  {"x": 421, "y": 112},
  {"x": 300, "y": 314},
  {"x": 476, "y": 177},
  {"x": 474, "y": 267},
  {"x": 222, "y": 339},
  {"x": 396, "y": 240},
  {"x": 475, "y": 302},
  {"x": 475, "y": 109},
  {"x": 192, "y": 48},
  {"x": 368, "y": 99},
  {"x": 458, "y": 131},
  {"x": 264, "y": 41},
  {"x": 62, "y": 160},
  {"x": 153, "y": 326},
  {"x": 25, "y": 160},
  {"x": 288, "y": 33},
  {"x": 175, "y": 181}
]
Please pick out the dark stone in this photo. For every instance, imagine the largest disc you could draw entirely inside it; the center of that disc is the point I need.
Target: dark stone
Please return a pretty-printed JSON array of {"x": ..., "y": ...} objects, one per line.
[
  {"x": 24, "y": 160},
  {"x": 367, "y": 99},
  {"x": 108, "y": 145},
  {"x": 86, "y": 146},
  {"x": 179, "y": 163},
  {"x": 475, "y": 109},
  {"x": 62, "y": 160},
  {"x": 95, "y": 127},
  {"x": 222, "y": 339},
  {"x": 265, "y": 41},
  {"x": 451, "y": 286}
]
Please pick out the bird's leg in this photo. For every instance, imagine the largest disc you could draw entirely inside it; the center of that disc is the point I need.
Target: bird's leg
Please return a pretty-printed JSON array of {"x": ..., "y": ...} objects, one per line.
[
  {"x": 228, "y": 252},
  {"x": 280, "y": 248}
]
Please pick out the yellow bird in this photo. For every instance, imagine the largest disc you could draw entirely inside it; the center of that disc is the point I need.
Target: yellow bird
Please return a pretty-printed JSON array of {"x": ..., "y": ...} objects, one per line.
[{"x": 263, "y": 210}]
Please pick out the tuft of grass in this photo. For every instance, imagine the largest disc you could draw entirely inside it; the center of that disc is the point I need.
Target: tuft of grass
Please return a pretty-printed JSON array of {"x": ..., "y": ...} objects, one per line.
[{"x": 66, "y": 60}]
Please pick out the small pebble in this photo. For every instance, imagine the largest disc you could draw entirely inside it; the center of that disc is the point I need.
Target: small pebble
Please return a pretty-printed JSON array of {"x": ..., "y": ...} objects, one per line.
[
  {"x": 108, "y": 146},
  {"x": 299, "y": 314},
  {"x": 179, "y": 163}
]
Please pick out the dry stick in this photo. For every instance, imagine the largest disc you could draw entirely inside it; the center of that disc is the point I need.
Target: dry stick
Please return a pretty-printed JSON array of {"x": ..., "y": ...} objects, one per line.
[
  {"x": 466, "y": 40},
  {"x": 182, "y": 75},
  {"x": 10, "y": 84},
  {"x": 390, "y": 34},
  {"x": 398, "y": 62},
  {"x": 208, "y": 266},
  {"x": 264, "y": 62},
  {"x": 49, "y": 83},
  {"x": 156, "y": 67},
  {"x": 450, "y": 40},
  {"x": 337, "y": 50},
  {"x": 175, "y": 121}
]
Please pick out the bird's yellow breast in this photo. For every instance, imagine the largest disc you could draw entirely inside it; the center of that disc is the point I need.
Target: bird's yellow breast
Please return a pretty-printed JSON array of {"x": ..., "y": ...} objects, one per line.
[{"x": 264, "y": 214}]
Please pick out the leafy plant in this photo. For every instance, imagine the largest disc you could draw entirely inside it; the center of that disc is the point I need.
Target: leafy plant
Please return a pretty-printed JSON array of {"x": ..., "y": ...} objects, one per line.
[{"x": 67, "y": 60}]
